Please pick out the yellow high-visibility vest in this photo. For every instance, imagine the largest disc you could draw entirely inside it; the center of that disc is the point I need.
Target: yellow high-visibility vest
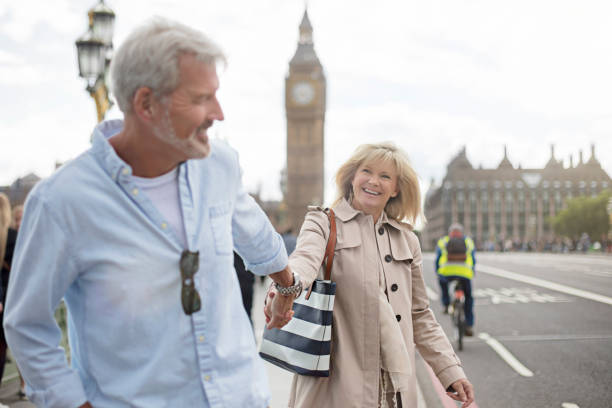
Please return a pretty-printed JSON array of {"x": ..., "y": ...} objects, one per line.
[{"x": 462, "y": 269}]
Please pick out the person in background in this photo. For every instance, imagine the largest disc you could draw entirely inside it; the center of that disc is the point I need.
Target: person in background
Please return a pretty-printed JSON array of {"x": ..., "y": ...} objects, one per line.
[
  {"x": 290, "y": 240},
  {"x": 246, "y": 279},
  {"x": 136, "y": 235},
  {"x": 456, "y": 259},
  {"x": 8, "y": 236},
  {"x": 381, "y": 309},
  {"x": 17, "y": 216}
]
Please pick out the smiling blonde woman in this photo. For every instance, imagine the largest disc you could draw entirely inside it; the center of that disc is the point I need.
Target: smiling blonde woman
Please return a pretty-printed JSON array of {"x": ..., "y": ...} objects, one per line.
[{"x": 381, "y": 309}]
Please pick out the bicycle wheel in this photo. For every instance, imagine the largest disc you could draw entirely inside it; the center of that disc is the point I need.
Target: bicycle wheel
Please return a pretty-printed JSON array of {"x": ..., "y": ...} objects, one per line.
[{"x": 459, "y": 320}]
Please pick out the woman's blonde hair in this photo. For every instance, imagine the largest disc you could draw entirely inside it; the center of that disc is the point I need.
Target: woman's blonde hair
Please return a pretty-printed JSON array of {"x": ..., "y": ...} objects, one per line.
[
  {"x": 5, "y": 223},
  {"x": 407, "y": 203}
]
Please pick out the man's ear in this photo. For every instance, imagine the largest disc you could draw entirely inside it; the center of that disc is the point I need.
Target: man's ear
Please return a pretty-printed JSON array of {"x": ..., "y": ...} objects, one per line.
[{"x": 144, "y": 103}]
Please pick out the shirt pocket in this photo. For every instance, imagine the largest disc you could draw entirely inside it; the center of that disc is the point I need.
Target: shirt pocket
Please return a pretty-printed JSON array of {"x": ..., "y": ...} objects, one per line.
[{"x": 221, "y": 224}]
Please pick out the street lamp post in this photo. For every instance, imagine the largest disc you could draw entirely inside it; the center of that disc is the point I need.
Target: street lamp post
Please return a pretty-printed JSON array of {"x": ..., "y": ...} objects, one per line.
[{"x": 94, "y": 49}]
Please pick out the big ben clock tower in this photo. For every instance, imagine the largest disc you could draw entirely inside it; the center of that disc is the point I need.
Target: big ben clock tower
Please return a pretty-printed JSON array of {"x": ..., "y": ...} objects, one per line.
[{"x": 305, "y": 106}]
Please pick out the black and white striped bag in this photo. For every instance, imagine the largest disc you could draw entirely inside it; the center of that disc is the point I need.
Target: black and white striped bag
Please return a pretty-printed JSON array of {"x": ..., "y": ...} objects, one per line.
[{"x": 303, "y": 346}]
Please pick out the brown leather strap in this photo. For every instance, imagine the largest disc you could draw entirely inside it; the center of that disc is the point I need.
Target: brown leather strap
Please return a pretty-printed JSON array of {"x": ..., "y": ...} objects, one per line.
[
  {"x": 331, "y": 244},
  {"x": 328, "y": 258}
]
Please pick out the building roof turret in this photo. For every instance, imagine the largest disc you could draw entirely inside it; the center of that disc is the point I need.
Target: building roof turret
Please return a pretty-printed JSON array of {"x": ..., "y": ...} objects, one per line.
[{"x": 505, "y": 163}]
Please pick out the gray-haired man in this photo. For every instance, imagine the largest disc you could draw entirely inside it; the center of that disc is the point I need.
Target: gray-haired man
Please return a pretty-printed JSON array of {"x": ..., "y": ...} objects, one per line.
[{"x": 137, "y": 235}]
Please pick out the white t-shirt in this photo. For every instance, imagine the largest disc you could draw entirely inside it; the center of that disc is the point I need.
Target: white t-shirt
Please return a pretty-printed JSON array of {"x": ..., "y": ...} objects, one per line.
[{"x": 163, "y": 192}]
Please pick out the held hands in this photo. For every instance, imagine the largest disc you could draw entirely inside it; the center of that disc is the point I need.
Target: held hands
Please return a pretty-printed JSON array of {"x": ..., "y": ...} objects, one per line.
[
  {"x": 277, "y": 308},
  {"x": 464, "y": 392}
]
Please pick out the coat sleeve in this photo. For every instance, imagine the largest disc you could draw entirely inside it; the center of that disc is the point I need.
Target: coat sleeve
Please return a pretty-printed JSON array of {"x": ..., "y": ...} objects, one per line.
[
  {"x": 429, "y": 337},
  {"x": 310, "y": 249},
  {"x": 43, "y": 269}
]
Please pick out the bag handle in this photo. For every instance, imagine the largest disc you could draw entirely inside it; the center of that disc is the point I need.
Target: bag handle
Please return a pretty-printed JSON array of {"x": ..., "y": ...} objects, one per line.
[{"x": 328, "y": 258}]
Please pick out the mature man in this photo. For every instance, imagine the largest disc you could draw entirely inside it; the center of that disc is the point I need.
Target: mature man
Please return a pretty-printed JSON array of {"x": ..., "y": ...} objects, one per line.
[
  {"x": 455, "y": 259},
  {"x": 136, "y": 235}
]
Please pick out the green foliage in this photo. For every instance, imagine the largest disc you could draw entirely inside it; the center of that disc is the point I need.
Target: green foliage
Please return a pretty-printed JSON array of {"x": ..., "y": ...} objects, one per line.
[{"x": 584, "y": 214}]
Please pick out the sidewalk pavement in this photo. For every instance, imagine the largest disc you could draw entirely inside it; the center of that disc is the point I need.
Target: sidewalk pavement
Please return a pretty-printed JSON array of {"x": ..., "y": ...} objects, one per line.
[{"x": 8, "y": 395}]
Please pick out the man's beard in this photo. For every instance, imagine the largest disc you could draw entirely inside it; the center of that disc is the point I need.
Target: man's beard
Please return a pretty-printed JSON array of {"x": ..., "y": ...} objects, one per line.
[{"x": 190, "y": 147}]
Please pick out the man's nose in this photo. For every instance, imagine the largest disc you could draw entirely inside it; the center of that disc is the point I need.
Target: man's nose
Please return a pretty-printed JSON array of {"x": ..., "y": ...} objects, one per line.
[{"x": 217, "y": 111}]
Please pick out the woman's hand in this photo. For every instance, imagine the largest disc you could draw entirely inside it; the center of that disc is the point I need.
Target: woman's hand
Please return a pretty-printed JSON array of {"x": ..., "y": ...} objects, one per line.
[
  {"x": 464, "y": 392},
  {"x": 277, "y": 308}
]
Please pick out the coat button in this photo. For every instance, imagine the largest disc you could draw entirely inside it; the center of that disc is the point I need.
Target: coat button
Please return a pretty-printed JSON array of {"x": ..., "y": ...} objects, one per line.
[
  {"x": 381, "y": 230},
  {"x": 394, "y": 287},
  {"x": 398, "y": 317},
  {"x": 388, "y": 258}
]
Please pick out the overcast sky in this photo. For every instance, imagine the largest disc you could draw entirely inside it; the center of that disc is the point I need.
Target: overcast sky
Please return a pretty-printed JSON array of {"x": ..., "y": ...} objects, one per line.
[{"x": 431, "y": 76}]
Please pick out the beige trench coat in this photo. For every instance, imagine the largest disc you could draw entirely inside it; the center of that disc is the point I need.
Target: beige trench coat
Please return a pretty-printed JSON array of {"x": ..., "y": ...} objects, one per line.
[{"x": 355, "y": 356}]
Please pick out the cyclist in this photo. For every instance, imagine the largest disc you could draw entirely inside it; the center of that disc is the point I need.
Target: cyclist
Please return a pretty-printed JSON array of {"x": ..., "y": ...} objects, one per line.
[{"x": 455, "y": 259}]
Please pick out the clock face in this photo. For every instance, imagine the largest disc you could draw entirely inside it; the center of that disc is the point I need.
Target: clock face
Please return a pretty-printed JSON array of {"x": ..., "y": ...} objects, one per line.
[{"x": 302, "y": 93}]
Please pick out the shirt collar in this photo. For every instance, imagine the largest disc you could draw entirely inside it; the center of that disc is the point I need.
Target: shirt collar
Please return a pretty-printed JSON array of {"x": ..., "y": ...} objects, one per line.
[
  {"x": 104, "y": 153},
  {"x": 346, "y": 212}
]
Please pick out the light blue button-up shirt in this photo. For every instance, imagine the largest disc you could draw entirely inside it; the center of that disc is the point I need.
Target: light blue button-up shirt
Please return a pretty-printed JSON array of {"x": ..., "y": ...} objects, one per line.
[{"x": 89, "y": 236}]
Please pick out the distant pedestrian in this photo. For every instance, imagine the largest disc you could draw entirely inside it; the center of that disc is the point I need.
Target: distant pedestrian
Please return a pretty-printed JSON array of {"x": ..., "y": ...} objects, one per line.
[
  {"x": 136, "y": 235},
  {"x": 8, "y": 237},
  {"x": 289, "y": 239},
  {"x": 456, "y": 259},
  {"x": 246, "y": 279},
  {"x": 17, "y": 216}
]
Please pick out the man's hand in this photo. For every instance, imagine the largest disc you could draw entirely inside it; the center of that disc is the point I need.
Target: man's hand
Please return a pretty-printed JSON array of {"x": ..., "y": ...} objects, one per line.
[
  {"x": 277, "y": 309},
  {"x": 464, "y": 392}
]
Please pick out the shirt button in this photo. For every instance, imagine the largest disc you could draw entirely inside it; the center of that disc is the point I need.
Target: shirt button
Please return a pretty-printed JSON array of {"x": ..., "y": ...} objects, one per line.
[
  {"x": 125, "y": 171},
  {"x": 381, "y": 230},
  {"x": 207, "y": 378},
  {"x": 164, "y": 225},
  {"x": 394, "y": 287},
  {"x": 388, "y": 258},
  {"x": 398, "y": 317},
  {"x": 201, "y": 339},
  {"x": 135, "y": 191}
]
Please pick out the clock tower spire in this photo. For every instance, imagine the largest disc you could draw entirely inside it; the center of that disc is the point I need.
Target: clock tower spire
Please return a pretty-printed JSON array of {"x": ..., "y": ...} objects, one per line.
[{"x": 305, "y": 107}]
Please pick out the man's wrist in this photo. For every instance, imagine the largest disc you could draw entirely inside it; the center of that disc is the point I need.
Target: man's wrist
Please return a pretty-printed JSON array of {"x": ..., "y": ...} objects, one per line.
[{"x": 294, "y": 289}]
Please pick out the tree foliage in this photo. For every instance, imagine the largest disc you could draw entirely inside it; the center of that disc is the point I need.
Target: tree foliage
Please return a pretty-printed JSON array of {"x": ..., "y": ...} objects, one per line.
[{"x": 584, "y": 214}]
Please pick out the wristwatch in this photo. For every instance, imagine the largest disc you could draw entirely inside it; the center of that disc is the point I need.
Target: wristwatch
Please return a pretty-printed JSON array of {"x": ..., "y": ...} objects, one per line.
[{"x": 296, "y": 289}]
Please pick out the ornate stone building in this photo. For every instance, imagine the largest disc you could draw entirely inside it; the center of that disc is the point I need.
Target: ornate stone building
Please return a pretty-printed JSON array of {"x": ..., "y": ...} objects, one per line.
[
  {"x": 305, "y": 90},
  {"x": 507, "y": 203}
]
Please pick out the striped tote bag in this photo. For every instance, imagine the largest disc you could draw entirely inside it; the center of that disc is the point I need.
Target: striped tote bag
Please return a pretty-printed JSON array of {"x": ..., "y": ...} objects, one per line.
[{"x": 303, "y": 345}]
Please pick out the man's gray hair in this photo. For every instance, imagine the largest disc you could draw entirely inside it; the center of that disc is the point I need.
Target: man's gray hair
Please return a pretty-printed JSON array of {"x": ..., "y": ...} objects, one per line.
[
  {"x": 149, "y": 57},
  {"x": 455, "y": 227}
]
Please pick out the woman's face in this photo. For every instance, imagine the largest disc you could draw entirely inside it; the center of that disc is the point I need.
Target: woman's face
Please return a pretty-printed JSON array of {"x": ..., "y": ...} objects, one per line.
[{"x": 373, "y": 185}]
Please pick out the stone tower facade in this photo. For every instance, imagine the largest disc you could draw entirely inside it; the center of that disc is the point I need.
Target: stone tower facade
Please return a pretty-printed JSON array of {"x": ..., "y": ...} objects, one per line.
[{"x": 305, "y": 90}]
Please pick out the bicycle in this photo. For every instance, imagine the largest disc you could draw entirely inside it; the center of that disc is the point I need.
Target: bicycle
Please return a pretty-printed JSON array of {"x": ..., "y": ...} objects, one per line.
[{"x": 457, "y": 311}]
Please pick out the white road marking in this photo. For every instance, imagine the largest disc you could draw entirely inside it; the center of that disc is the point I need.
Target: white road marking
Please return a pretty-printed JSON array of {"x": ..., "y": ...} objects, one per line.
[
  {"x": 569, "y": 405},
  {"x": 544, "y": 283},
  {"x": 506, "y": 355},
  {"x": 431, "y": 294},
  {"x": 599, "y": 273}
]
